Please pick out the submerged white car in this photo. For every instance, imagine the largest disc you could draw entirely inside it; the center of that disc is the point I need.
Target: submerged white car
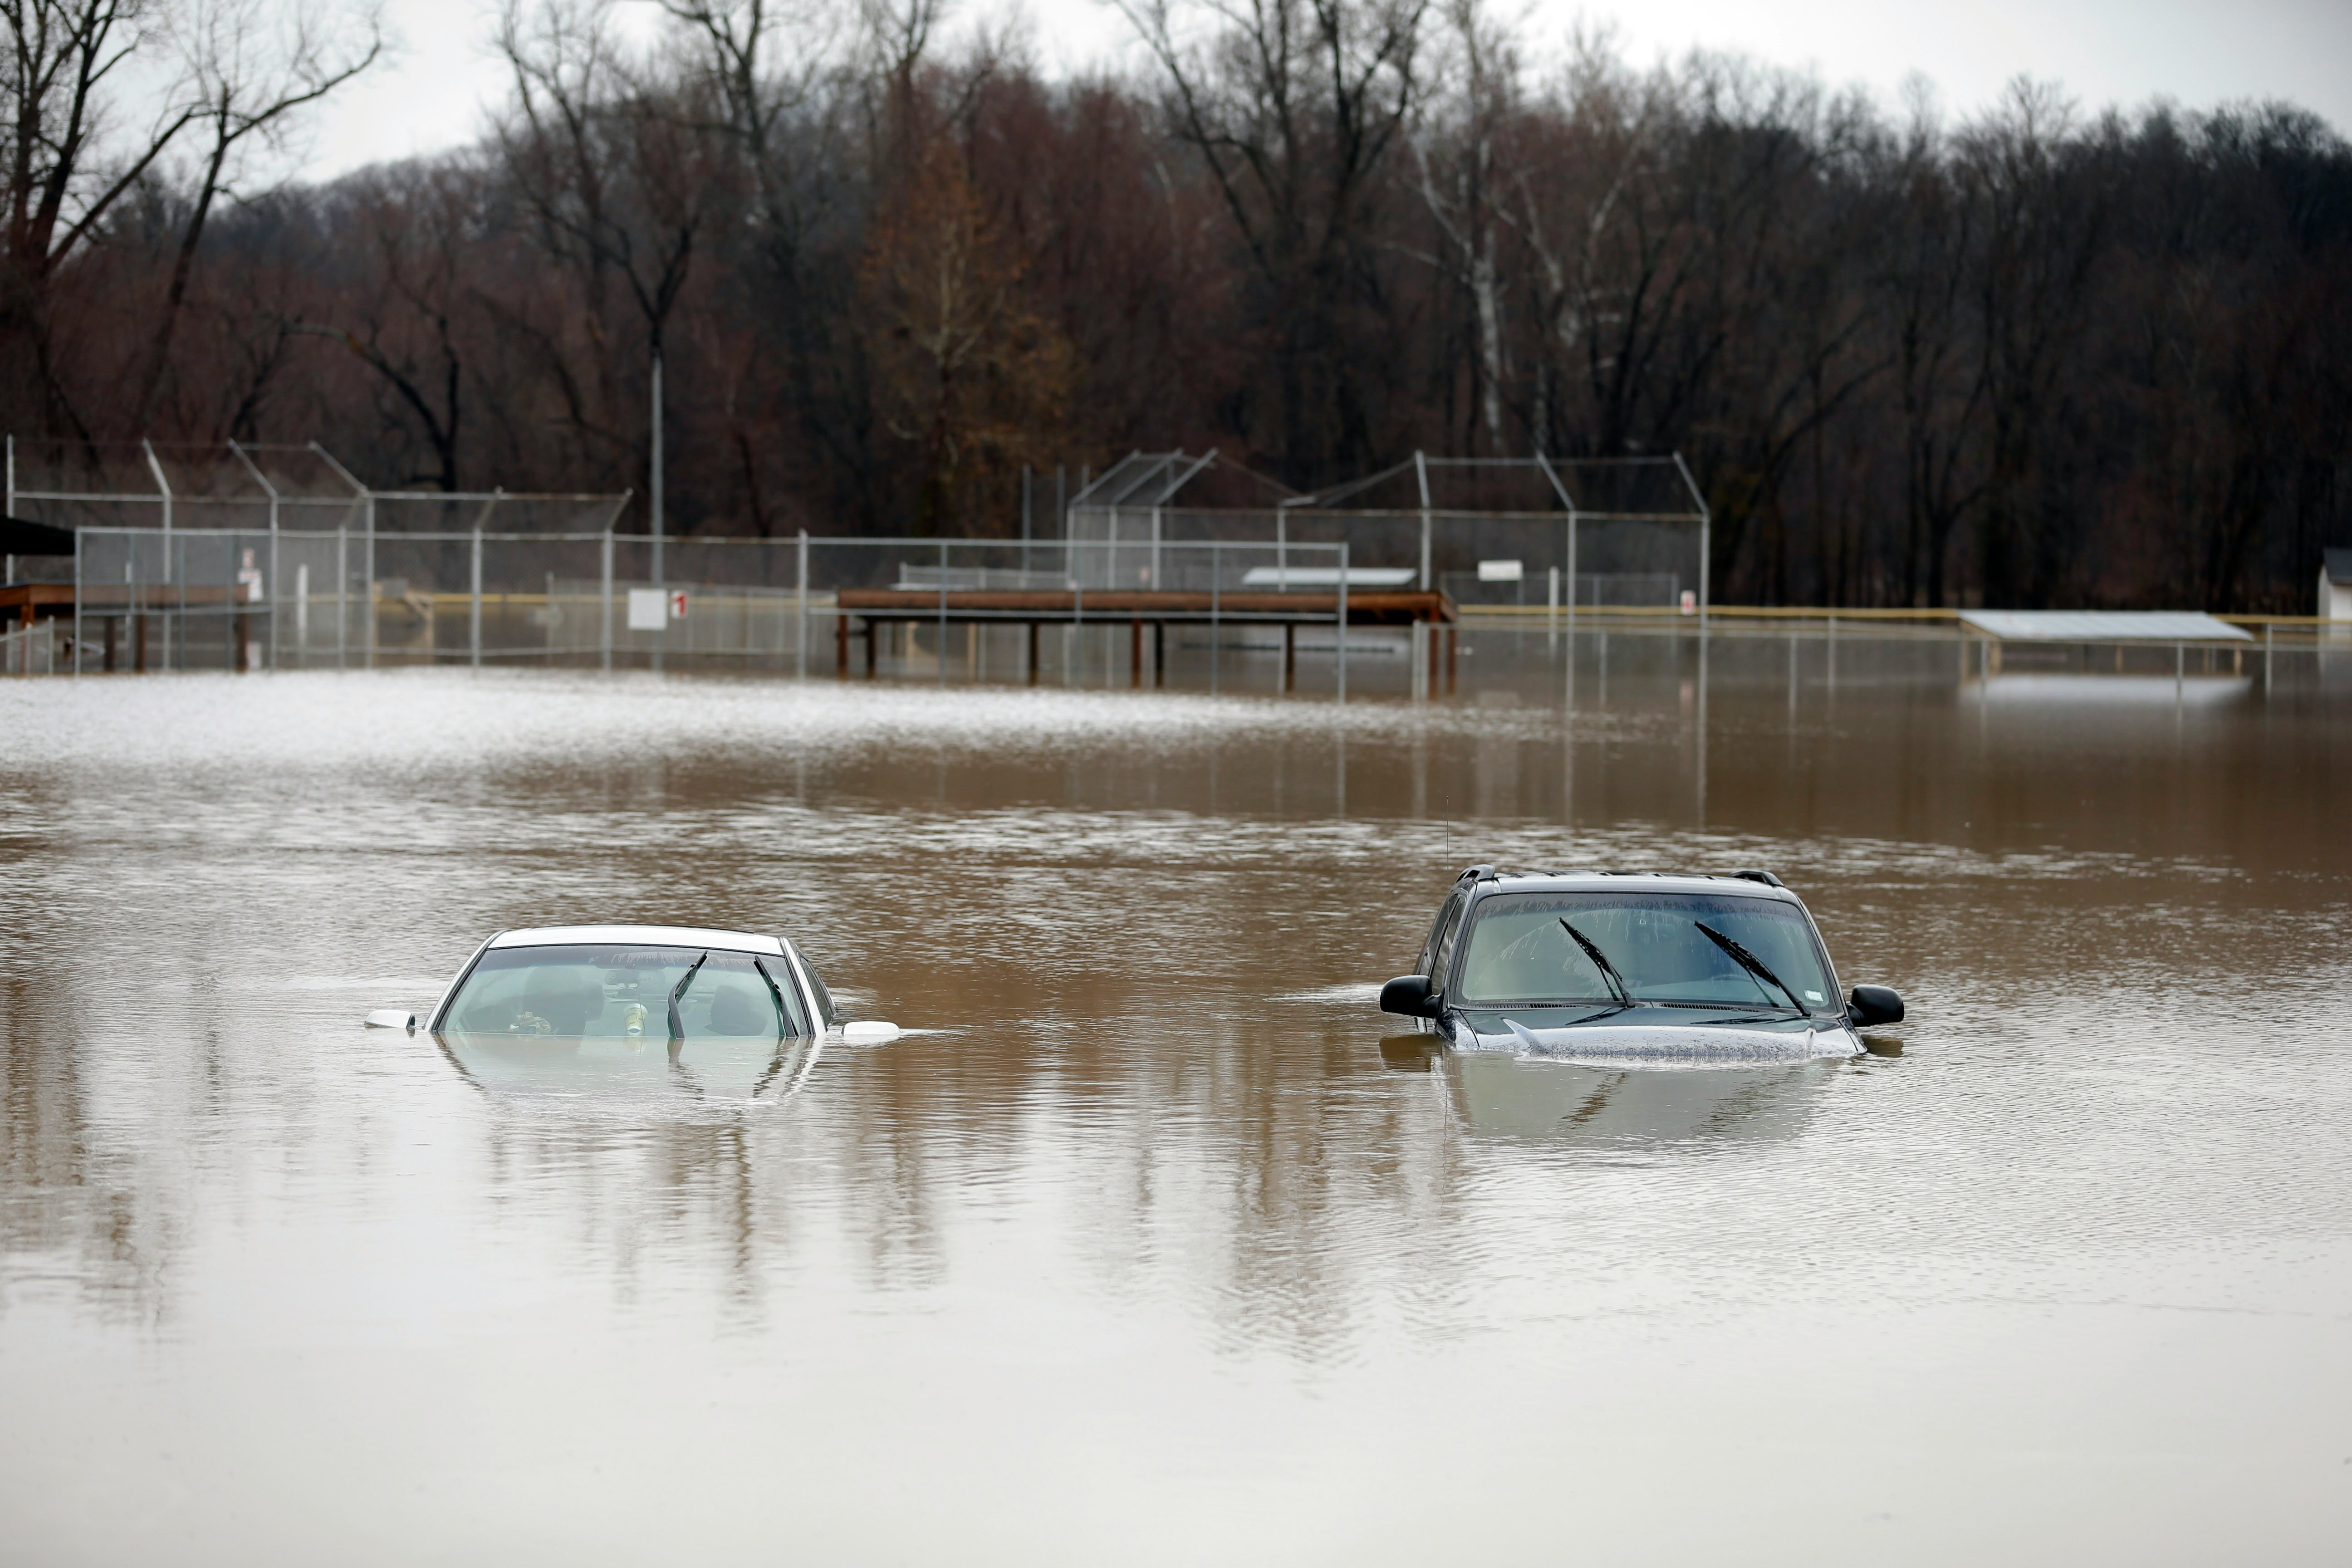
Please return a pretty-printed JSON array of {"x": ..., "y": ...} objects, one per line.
[
  {"x": 1636, "y": 967},
  {"x": 633, "y": 982}
]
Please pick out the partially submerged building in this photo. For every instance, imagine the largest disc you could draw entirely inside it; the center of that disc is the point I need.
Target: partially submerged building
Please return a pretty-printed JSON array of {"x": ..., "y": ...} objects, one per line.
[{"x": 1625, "y": 531}]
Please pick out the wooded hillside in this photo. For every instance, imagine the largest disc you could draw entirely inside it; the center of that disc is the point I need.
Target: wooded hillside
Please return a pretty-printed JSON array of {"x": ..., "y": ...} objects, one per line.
[{"x": 2041, "y": 356}]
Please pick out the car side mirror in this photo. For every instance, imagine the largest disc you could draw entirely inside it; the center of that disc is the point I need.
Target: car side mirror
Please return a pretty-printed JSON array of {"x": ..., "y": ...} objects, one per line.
[
  {"x": 869, "y": 1032},
  {"x": 1411, "y": 995},
  {"x": 390, "y": 1019},
  {"x": 1871, "y": 1005}
]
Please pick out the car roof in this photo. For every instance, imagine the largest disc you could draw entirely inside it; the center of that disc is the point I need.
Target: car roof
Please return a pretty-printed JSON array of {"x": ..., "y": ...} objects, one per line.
[
  {"x": 1719, "y": 883},
  {"x": 641, "y": 936}
]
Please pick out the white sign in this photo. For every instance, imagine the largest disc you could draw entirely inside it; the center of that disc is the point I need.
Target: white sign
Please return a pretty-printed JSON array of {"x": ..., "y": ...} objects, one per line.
[
  {"x": 647, "y": 610},
  {"x": 677, "y": 605},
  {"x": 1499, "y": 572}
]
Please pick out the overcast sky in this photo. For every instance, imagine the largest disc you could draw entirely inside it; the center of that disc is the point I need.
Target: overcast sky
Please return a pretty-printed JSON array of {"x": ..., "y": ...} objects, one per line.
[{"x": 2196, "y": 52}]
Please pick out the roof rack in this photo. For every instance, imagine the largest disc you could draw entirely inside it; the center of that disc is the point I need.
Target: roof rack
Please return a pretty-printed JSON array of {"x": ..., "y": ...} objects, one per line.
[{"x": 1766, "y": 877}]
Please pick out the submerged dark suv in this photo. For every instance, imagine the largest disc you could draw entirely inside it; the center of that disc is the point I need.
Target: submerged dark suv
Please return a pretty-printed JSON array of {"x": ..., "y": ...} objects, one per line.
[{"x": 1622, "y": 965}]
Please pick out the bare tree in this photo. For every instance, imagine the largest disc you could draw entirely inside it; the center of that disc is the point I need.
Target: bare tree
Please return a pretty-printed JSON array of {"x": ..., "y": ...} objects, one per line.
[
  {"x": 766, "y": 60},
  {"x": 2043, "y": 228},
  {"x": 251, "y": 67},
  {"x": 1455, "y": 153},
  {"x": 617, "y": 174},
  {"x": 403, "y": 320},
  {"x": 1295, "y": 106},
  {"x": 965, "y": 369},
  {"x": 1590, "y": 201},
  {"x": 68, "y": 161},
  {"x": 1922, "y": 270}
]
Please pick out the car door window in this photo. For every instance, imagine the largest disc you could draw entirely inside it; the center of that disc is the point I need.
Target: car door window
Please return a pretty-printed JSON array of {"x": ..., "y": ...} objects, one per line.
[
  {"x": 828, "y": 1015},
  {"x": 1442, "y": 937}
]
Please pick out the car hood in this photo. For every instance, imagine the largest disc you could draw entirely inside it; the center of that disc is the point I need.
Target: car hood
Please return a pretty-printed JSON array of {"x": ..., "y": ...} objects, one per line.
[{"x": 1664, "y": 1042}]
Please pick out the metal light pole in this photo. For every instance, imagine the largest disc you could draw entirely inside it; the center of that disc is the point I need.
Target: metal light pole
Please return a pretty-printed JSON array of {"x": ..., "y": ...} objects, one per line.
[{"x": 658, "y": 580}]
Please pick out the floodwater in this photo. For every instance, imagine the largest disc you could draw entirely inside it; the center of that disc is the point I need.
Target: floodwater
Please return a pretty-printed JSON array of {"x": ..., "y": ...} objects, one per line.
[{"x": 1146, "y": 1245}]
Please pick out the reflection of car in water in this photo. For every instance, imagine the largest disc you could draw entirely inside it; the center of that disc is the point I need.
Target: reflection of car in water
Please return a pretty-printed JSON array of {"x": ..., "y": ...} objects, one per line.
[
  {"x": 1619, "y": 1107},
  {"x": 596, "y": 1067},
  {"x": 1632, "y": 967}
]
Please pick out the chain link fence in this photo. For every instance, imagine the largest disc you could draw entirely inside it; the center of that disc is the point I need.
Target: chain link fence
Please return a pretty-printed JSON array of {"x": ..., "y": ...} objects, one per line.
[{"x": 241, "y": 599}]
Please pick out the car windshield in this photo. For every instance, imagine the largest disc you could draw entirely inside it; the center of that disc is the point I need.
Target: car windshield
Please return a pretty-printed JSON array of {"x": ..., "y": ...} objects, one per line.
[
  {"x": 620, "y": 990},
  {"x": 1520, "y": 950}
]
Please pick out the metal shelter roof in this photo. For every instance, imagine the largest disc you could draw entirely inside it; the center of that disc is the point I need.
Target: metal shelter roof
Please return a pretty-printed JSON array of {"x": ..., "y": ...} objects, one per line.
[
  {"x": 1155, "y": 479},
  {"x": 1648, "y": 488},
  {"x": 2102, "y": 625},
  {"x": 1644, "y": 489},
  {"x": 19, "y": 536}
]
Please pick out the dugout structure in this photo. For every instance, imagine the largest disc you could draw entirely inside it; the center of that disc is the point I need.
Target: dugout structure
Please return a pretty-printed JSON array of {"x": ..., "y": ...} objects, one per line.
[
  {"x": 248, "y": 555},
  {"x": 1630, "y": 532}
]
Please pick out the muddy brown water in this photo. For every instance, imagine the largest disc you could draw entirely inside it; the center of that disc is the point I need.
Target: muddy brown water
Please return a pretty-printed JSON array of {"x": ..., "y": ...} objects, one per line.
[{"x": 1149, "y": 1245}]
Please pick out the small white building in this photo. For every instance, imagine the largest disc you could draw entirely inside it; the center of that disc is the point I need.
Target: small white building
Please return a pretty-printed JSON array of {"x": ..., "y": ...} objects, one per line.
[{"x": 2335, "y": 586}]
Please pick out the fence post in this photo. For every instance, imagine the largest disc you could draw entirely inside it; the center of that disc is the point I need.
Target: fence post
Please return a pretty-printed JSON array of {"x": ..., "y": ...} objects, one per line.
[
  {"x": 164, "y": 486},
  {"x": 1572, "y": 578},
  {"x": 1217, "y": 642},
  {"x": 1706, "y": 545},
  {"x": 28, "y": 602},
  {"x": 1420, "y": 472},
  {"x": 939, "y": 654},
  {"x": 800, "y": 623},
  {"x": 368, "y": 599},
  {"x": 170, "y": 620},
  {"x": 277, "y": 589},
  {"x": 275, "y": 595},
  {"x": 343, "y": 592},
  {"x": 1343, "y": 624},
  {"x": 604, "y": 631},
  {"x": 474, "y": 589}
]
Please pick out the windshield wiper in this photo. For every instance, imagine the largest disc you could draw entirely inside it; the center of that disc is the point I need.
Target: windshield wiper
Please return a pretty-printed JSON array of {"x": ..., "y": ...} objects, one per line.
[
  {"x": 1750, "y": 962},
  {"x": 783, "y": 1023},
  {"x": 677, "y": 1023},
  {"x": 1616, "y": 981}
]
